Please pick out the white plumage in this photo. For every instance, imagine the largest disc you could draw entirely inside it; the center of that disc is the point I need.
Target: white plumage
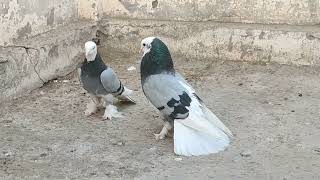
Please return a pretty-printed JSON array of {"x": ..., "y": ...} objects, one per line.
[{"x": 202, "y": 132}]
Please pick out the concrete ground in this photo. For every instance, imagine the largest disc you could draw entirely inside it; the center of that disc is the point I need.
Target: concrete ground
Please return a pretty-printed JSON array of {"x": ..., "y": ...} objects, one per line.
[{"x": 272, "y": 109}]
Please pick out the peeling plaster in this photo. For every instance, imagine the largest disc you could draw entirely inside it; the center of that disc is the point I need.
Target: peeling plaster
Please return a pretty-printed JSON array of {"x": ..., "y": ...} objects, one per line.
[
  {"x": 40, "y": 40},
  {"x": 23, "y": 19},
  {"x": 188, "y": 26},
  {"x": 294, "y": 12}
]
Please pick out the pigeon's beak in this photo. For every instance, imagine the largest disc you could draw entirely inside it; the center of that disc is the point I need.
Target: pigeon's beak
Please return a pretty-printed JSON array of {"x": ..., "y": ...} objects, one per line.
[{"x": 141, "y": 50}]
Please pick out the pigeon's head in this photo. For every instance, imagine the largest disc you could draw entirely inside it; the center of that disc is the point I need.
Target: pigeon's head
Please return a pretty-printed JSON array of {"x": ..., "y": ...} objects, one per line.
[
  {"x": 156, "y": 56},
  {"x": 91, "y": 50},
  {"x": 146, "y": 45}
]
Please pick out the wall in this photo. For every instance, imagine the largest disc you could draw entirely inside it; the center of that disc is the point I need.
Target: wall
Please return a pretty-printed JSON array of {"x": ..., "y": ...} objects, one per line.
[
  {"x": 24, "y": 19},
  {"x": 302, "y": 12},
  {"x": 43, "y": 39},
  {"x": 279, "y": 31},
  {"x": 40, "y": 40},
  {"x": 218, "y": 41}
]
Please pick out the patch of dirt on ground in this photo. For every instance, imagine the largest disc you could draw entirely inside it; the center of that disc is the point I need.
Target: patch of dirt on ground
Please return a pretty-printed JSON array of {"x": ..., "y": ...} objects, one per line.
[{"x": 273, "y": 110}]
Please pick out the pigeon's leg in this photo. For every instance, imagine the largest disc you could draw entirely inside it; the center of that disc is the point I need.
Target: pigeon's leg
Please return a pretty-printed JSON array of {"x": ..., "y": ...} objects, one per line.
[
  {"x": 102, "y": 103},
  {"x": 111, "y": 110},
  {"x": 166, "y": 128},
  {"x": 92, "y": 105}
]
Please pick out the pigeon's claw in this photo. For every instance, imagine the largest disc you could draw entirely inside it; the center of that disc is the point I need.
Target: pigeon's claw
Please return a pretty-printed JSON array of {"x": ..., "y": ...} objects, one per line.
[
  {"x": 164, "y": 131},
  {"x": 111, "y": 111}
]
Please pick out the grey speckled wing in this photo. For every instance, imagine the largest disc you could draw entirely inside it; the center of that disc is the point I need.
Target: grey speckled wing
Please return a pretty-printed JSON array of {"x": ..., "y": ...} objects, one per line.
[
  {"x": 166, "y": 92},
  {"x": 110, "y": 82}
]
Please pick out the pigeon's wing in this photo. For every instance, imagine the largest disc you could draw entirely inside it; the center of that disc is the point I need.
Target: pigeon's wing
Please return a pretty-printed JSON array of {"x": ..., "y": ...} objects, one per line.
[
  {"x": 168, "y": 95},
  {"x": 197, "y": 131},
  {"x": 113, "y": 85},
  {"x": 184, "y": 83},
  {"x": 110, "y": 81}
]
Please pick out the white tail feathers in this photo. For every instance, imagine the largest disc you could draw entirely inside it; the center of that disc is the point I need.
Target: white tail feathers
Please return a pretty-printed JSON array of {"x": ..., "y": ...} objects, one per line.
[
  {"x": 216, "y": 121},
  {"x": 201, "y": 133},
  {"x": 189, "y": 142},
  {"x": 125, "y": 96}
]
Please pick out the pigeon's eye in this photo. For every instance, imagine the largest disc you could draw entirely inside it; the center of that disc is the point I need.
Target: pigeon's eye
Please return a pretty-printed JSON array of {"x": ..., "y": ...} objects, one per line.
[{"x": 143, "y": 44}]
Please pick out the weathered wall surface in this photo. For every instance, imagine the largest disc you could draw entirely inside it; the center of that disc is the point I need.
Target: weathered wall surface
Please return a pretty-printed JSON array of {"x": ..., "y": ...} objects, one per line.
[
  {"x": 23, "y": 19},
  {"x": 294, "y": 12},
  {"x": 40, "y": 40},
  {"x": 88, "y": 9},
  {"x": 218, "y": 41},
  {"x": 40, "y": 59},
  {"x": 246, "y": 30},
  {"x": 43, "y": 39}
]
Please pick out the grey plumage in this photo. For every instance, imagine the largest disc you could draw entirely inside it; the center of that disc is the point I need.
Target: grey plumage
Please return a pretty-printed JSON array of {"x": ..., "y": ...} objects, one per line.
[
  {"x": 197, "y": 131},
  {"x": 101, "y": 82},
  {"x": 110, "y": 82},
  {"x": 98, "y": 79},
  {"x": 168, "y": 95}
]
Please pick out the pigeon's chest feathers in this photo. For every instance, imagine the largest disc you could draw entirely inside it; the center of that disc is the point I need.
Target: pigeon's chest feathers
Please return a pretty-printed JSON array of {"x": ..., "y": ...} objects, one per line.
[
  {"x": 94, "y": 68},
  {"x": 157, "y": 61}
]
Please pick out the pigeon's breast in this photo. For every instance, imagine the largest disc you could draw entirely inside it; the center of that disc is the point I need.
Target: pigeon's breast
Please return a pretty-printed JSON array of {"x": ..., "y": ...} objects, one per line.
[{"x": 92, "y": 84}]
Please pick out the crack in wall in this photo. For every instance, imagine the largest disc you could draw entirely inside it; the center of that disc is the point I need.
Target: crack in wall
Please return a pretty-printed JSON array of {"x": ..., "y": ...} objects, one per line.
[
  {"x": 38, "y": 73},
  {"x": 36, "y": 63},
  {"x": 27, "y": 49},
  {"x": 20, "y": 46},
  {"x": 312, "y": 37},
  {"x": 29, "y": 62}
]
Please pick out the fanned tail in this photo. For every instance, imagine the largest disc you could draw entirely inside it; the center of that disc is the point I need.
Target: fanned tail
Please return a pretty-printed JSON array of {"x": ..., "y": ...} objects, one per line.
[
  {"x": 201, "y": 133},
  {"x": 189, "y": 142}
]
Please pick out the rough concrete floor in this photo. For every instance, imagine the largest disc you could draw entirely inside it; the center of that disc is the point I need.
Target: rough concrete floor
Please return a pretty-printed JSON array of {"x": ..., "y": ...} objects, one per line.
[{"x": 273, "y": 111}]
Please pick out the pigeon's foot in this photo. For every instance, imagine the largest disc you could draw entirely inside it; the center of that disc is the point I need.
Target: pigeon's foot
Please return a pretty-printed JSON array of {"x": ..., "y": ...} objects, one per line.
[
  {"x": 91, "y": 108},
  {"x": 111, "y": 111},
  {"x": 164, "y": 132}
]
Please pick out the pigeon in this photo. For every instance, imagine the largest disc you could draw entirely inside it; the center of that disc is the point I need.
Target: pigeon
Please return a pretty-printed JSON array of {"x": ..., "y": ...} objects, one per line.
[
  {"x": 101, "y": 83},
  {"x": 196, "y": 130}
]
